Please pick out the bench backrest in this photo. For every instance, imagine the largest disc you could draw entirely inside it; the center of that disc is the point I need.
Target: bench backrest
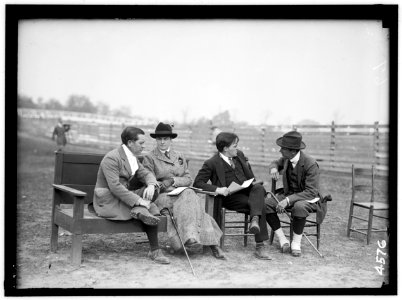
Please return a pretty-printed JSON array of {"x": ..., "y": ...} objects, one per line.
[{"x": 78, "y": 171}]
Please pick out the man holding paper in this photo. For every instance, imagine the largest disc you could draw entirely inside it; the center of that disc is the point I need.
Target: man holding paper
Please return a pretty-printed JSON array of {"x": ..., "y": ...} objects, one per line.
[
  {"x": 300, "y": 190},
  {"x": 231, "y": 178}
]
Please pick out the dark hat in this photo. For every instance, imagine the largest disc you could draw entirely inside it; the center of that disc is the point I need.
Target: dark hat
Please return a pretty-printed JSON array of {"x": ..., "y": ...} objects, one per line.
[
  {"x": 291, "y": 140},
  {"x": 163, "y": 130}
]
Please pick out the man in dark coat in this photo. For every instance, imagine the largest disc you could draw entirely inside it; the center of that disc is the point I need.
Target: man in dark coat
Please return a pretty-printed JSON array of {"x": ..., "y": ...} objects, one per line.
[
  {"x": 227, "y": 166},
  {"x": 300, "y": 190}
]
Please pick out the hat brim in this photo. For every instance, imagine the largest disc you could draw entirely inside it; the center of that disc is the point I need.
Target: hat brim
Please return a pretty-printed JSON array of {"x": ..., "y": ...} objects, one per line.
[
  {"x": 280, "y": 144},
  {"x": 171, "y": 135}
]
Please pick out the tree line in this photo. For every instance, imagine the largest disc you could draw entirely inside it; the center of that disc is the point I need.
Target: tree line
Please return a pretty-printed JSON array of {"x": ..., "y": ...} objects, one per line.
[{"x": 78, "y": 103}]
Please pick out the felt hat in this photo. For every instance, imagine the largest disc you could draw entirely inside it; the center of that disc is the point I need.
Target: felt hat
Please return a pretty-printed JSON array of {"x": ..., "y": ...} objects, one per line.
[
  {"x": 291, "y": 140},
  {"x": 163, "y": 130}
]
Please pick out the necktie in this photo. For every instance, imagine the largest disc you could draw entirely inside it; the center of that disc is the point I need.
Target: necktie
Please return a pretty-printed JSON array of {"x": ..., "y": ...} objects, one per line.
[
  {"x": 167, "y": 154},
  {"x": 231, "y": 162}
]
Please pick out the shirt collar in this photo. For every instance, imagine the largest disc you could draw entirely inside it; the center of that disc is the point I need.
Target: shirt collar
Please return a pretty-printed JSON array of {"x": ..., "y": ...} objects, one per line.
[
  {"x": 163, "y": 152},
  {"x": 132, "y": 160},
  {"x": 225, "y": 158},
  {"x": 295, "y": 159}
]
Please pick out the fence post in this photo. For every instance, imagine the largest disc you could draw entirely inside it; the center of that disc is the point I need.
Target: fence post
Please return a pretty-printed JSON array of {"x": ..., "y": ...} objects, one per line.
[
  {"x": 332, "y": 145},
  {"x": 263, "y": 144},
  {"x": 376, "y": 159}
]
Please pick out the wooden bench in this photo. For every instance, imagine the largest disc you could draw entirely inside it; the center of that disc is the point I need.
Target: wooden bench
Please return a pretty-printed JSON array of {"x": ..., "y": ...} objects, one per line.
[{"x": 74, "y": 182}]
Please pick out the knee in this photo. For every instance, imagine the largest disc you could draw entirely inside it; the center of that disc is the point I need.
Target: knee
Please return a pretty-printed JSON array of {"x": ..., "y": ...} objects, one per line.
[
  {"x": 258, "y": 189},
  {"x": 298, "y": 209}
]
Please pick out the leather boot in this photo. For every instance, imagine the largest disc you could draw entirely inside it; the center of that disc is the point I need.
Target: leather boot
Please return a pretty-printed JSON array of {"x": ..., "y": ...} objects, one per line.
[
  {"x": 260, "y": 253},
  {"x": 141, "y": 213},
  {"x": 158, "y": 257},
  {"x": 254, "y": 225},
  {"x": 217, "y": 252}
]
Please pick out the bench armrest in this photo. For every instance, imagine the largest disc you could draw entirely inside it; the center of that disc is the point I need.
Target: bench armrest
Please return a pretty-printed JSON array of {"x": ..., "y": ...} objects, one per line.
[{"x": 69, "y": 190}]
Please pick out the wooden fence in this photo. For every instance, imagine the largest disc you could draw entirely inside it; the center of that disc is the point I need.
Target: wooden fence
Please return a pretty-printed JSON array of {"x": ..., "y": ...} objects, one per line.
[{"x": 336, "y": 147}]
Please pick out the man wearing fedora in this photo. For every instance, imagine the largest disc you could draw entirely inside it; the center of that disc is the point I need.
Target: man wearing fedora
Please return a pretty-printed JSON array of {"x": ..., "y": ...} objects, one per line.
[{"x": 300, "y": 190}]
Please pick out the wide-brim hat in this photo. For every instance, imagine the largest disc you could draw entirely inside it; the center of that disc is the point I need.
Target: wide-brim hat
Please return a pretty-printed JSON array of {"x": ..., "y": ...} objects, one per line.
[
  {"x": 291, "y": 140},
  {"x": 163, "y": 130}
]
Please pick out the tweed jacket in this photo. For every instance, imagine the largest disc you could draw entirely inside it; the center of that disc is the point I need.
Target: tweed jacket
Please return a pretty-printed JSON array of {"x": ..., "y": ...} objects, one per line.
[
  {"x": 112, "y": 197},
  {"x": 308, "y": 180},
  {"x": 174, "y": 167},
  {"x": 213, "y": 170}
]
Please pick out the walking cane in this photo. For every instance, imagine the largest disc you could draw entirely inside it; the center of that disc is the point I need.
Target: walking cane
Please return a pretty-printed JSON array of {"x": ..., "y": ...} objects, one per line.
[
  {"x": 175, "y": 226},
  {"x": 291, "y": 220}
]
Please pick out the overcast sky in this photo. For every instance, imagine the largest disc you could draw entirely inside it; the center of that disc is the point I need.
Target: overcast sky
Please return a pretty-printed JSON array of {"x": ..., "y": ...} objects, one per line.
[{"x": 272, "y": 72}]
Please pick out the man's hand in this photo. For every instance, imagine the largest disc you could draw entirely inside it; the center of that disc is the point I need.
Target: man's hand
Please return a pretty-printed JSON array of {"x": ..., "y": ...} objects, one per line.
[
  {"x": 167, "y": 182},
  {"x": 145, "y": 203},
  {"x": 280, "y": 208},
  {"x": 222, "y": 191},
  {"x": 149, "y": 192},
  {"x": 274, "y": 173}
]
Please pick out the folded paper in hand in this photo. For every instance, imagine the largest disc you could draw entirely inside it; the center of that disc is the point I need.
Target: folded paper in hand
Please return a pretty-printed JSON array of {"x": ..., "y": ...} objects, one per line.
[
  {"x": 177, "y": 191},
  {"x": 234, "y": 187},
  {"x": 314, "y": 200}
]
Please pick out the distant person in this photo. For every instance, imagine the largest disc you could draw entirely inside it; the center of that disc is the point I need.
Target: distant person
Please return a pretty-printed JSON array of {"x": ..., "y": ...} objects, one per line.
[
  {"x": 113, "y": 198},
  {"x": 301, "y": 190},
  {"x": 195, "y": 226},
  {"x": 214, "y": 134},
  {"x": 59, "y": 133},
  {"x": 230, "y": 165}
]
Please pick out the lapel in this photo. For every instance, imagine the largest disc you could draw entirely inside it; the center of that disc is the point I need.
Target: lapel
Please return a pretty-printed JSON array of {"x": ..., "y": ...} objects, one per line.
[
  {"x": 300, "y": 167},
  {"x": 159, "y": 155},
  {"x": 245, "y": 167},
  {"x": 220, "y": 171},
  {"x": 124, "y": 158},
  {"x": 285, "y": 175}
]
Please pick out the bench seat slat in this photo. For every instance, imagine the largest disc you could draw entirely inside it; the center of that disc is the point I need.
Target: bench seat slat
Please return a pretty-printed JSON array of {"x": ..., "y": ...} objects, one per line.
[{"x": 92, "y": 224}]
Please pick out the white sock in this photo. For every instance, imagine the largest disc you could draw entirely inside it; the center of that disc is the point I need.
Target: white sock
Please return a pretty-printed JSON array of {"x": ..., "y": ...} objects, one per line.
[
  {"x": 281, "y": 236},
  {"x": 296, "y": 242}
]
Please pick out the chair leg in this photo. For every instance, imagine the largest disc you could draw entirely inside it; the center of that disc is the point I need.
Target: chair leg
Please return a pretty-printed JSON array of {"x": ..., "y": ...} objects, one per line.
[
  {"x": 245, "y": 229},
  {"x": 271, "y": 237},
  {"x": 54, "y": 236},
  {"x": 223, "y": 213},
  {"x": 76, "y": 248},
  {"x": 370, "y": 225},
  {"x": 318, "y": 235},
  {"x": 350, "y": 219}
]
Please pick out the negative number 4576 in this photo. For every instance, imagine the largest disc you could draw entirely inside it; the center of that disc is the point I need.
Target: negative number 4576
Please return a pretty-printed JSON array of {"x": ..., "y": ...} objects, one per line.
[{"x": 380, "y": 260}]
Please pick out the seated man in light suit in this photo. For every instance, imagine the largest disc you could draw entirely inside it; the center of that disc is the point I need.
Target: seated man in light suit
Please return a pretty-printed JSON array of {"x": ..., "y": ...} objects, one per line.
[
  {"x": 301, "y": 190},
  {"x": 115, "y": 200},
  {"x": 227, "y": 166}
]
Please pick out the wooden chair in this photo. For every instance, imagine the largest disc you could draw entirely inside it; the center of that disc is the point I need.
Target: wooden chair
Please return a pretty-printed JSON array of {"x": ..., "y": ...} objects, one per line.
[
  {"x": 310, "y": 221},
  {"x": 371, "y": 205},
  {"x": 213, "y": 206}
]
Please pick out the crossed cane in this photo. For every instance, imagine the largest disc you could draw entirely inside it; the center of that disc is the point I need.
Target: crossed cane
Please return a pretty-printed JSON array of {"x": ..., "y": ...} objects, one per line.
[
  {"x": 291, "y": 220},
  {"x": 177, "y": 230}
]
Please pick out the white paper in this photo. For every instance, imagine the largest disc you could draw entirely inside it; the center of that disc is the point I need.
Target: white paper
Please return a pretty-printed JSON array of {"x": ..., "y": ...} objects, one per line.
[{"x": 314, "y": 200}]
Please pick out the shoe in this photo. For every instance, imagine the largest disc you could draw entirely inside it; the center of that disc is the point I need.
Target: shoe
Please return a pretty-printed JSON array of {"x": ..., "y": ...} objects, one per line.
[
  {"x": 142, "y": 214},
  {"x": 217, "y": 252},
  {"x": 261, "y": 254},
  {"x": 192, "y": 245},
  {"x": 296, "y": 252},
  {"x": 285, "y": 248},
  {"x": 158, "y": 257},
  {"x": 254, "y": 226}
]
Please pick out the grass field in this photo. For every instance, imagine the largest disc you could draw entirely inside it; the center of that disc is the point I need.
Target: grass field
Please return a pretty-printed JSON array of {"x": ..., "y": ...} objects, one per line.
[{"x": 119, "y": 260}]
